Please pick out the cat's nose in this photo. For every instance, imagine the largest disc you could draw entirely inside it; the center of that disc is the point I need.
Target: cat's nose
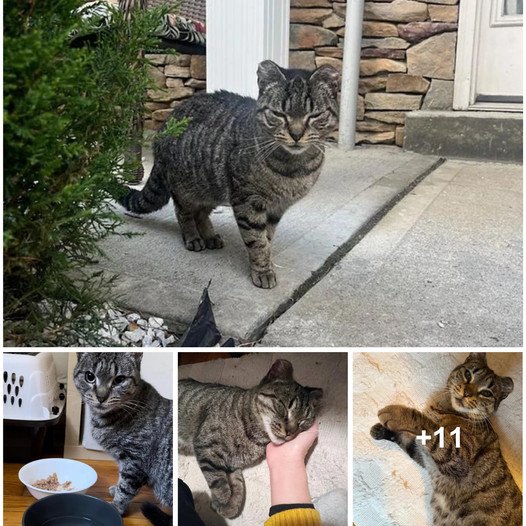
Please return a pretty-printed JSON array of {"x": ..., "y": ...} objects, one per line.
[
  {"x": 101, "y": 394},
  {"x": 296, "y": 135},
  {"x": 296, "y": 131},
  {"x": 469, "y": 390}
]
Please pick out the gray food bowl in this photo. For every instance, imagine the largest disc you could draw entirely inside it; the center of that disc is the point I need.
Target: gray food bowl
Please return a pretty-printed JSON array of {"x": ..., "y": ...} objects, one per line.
[{"x": 71, "y": 510}]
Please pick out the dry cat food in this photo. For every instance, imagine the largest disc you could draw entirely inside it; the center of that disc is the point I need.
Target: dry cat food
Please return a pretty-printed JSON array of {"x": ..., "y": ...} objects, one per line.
[{"x": 52, "y": 484}]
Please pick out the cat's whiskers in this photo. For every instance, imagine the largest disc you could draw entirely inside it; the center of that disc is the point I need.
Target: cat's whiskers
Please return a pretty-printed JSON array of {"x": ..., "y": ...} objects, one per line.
[
  {"x": 257, "y": 146},
  {"x": 266, "y": 151}
]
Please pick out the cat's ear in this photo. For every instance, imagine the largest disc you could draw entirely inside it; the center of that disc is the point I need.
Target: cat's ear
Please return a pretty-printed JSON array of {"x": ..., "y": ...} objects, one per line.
[
  {"x": 315, "y": 395},
  {"x": 137, "y": 356},
  {"x": 268, "y": 73},
  {"x": 328, "y": 76},
  {"x": 506, "y": 386},
  {"x": 280, "y": 370},
  {"x": 477, "y": 357}
]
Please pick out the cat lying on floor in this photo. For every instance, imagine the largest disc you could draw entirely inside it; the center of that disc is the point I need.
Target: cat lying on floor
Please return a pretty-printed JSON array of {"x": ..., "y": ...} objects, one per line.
[{"x": 227, "y": 428}]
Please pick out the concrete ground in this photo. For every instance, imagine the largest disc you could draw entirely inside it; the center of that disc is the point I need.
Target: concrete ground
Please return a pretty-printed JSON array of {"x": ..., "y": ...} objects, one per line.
[
  {"x": 158, "y": 276},
  {"x": 442, "y": 268}
]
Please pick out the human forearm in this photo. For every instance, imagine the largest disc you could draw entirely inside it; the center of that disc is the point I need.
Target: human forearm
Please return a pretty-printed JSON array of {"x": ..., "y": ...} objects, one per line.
[{"x": 289, "y": 483}]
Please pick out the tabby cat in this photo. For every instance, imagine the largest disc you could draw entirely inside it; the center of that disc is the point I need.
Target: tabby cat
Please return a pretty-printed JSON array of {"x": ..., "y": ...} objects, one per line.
[
  {"x": 472, "y": 485},
  {"x": 260, "y": 157},
  {"x": 133, "y": 423},
  {"x": 227, "y": 428}
]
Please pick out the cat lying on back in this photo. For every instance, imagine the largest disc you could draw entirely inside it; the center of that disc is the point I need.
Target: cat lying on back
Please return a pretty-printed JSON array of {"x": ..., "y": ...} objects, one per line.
[
  {"x": 227, "y": 428},
  {"x": 133, "y": 423},
  {"x": 472, "y": 485},
  {"x": 260, "y": 157}
]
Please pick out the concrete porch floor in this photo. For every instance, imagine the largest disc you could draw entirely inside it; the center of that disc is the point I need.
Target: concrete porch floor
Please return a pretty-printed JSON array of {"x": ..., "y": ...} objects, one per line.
[
  {"x": 442, "y": 268},
  {"x": 473, "y": 230}
]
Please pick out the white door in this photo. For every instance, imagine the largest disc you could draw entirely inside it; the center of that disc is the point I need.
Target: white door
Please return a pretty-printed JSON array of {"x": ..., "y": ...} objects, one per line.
[{"x": 489, "y": 55}]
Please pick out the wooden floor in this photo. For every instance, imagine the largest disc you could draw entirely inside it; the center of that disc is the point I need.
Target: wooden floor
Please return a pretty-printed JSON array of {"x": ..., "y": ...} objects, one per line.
[{"x": 17, "y": 499}]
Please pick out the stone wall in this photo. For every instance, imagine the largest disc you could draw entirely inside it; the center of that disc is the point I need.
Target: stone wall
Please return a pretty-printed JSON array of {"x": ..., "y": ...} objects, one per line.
[
  {"x": 177, "y": 77},
  {"x": 407, "y": 59}
]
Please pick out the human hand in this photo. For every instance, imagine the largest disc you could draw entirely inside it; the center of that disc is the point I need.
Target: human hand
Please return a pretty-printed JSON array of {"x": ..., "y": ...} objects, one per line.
[{"x": 293, "y": 451}]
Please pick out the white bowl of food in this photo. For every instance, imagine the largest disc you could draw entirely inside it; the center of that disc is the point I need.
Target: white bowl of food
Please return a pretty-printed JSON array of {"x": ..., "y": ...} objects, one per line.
[{"x": 51, "y": 476}]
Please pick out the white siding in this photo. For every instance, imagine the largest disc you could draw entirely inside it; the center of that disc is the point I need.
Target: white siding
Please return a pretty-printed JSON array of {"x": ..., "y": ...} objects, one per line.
[{"x": 240, "y": 34}]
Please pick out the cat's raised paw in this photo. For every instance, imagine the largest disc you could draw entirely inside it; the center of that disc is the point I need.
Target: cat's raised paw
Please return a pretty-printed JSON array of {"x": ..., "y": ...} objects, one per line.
[
  {"x": 264, "y": 280},
  {"x": 391, "y": 417},
  {"x": 379, "y": 432},
  {"x": 195, "y": 245},
  {"x": 215, "y": 242}
]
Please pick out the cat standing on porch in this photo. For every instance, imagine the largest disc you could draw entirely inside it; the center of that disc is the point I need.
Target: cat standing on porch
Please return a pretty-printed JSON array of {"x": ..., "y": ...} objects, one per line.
[{"x": 259, "y": 156}]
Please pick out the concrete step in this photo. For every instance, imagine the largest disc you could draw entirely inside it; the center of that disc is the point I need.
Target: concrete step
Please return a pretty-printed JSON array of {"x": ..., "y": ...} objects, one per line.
[{"x": 493, "y": 136}]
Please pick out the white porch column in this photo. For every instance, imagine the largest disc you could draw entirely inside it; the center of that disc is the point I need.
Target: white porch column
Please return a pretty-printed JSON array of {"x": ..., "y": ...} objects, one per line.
[
  {"x": 352, "y": 48},
  {"x": 239, "y": 35}
]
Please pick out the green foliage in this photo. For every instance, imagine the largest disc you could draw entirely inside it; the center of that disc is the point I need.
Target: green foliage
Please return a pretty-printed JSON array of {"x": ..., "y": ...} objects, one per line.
[
  {"x": 68, "y": 113},
  {"x": 174, "y": 128}
]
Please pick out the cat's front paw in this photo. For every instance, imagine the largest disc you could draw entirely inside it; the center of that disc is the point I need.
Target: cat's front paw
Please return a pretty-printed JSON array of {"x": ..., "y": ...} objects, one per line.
[
  {"x": 194, "y": 245},
  {"x": 229, "y": 511},
  {"x": 391, "y": 417},
  {"x": 379, "y": 432},
  {"x": 264, "y": 280},
  {"x": 215, "y": 242}
]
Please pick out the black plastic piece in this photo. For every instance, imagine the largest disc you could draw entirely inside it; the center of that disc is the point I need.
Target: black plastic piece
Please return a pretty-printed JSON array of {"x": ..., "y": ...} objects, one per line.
[{"x": 203, "y": 331}]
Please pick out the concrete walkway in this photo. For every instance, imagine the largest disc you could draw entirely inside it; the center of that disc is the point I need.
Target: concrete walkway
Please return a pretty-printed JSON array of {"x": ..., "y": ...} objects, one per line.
[
  {"x": 442, "y": 268},
  {"x": 158, "y": 276}
]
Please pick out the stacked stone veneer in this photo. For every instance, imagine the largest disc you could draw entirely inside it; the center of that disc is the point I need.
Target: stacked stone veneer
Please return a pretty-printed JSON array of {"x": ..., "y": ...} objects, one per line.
[
  {"x": 177, "y": 77},
  {"x": 407, "y": 58}
]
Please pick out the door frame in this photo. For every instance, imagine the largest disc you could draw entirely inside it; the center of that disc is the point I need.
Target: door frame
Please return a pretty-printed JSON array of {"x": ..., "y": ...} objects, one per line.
[{"x": 469, "y": 26}]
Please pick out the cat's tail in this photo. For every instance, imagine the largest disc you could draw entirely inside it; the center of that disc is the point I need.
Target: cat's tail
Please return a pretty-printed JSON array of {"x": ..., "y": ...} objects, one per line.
[
  {"x": 155, "y": 515},
  {"x": 152, "y": 197}
]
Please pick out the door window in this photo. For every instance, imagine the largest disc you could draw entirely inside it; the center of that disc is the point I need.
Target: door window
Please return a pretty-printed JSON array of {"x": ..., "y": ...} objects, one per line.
[{"x": 513, "y": 7}]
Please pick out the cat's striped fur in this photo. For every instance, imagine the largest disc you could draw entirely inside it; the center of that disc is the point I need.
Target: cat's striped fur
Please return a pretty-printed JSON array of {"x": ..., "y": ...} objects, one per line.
[
  {"x": 260, "y": 157},
  {"x": 227, "y": 428},
  {"x": 133, "y": 423},
  {"x": 472, "y": 485}
]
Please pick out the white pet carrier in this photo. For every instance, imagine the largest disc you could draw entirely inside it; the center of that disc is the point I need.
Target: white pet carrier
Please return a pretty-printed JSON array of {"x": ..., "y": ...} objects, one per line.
[{"x": 31, "y": 389}]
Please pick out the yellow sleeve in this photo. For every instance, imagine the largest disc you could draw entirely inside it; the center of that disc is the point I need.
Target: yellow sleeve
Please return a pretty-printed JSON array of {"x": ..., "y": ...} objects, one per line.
[{"x": 295, "y": 517}]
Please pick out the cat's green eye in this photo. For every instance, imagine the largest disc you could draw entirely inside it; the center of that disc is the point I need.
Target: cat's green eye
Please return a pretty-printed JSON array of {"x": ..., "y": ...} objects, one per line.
[
  {"x": 467, "y": 376},
  {"x": 118, "y": 380},
  {"x": 89, "y": 376},
  {"x": 486, "y": 393}
]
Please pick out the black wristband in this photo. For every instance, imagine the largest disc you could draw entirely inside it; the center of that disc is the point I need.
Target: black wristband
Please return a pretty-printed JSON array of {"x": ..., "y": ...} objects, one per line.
[{"x": 283, "y": 507}]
